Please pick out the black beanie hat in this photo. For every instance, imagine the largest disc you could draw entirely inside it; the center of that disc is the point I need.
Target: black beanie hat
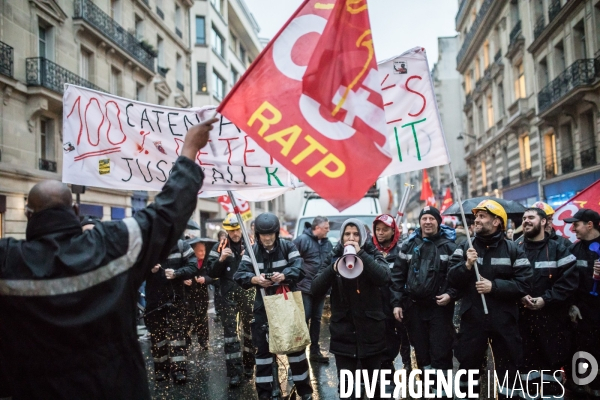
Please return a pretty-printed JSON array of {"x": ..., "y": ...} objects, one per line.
[{"x": 431, "y": 211}]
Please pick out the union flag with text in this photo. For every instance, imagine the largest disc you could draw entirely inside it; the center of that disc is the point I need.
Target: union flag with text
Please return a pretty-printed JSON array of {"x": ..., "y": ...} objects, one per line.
[
  {"x": 312, "y": 100},
  {"x": 587, "y": 198}
]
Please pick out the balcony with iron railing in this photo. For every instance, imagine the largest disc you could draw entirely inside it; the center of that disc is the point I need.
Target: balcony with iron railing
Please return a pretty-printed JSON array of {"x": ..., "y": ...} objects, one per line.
[
  {"x": 506, "y": 182},
  {"x": 539, "y": 26},
  {"x": 568, "y": 164},
  {"x": 6, "y": 59},
  {"x": 580, "y": 73},
  {"x": 525, "y": 174},
  {"x": 550, "y": 170},
  {"x": 87, "y": 11},
  {"x": 43, "y": 72},
  {"x": 494, "y": 185},
  {"x": 485, "y": 7},
  {"x": 588, "y": 157},
  {"x": 515, "y": 33},
  {"x": 553, "y": 10}
]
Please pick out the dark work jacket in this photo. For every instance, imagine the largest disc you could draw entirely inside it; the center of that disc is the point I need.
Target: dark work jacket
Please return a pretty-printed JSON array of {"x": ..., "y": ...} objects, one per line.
[
  {"x": 68, "y": 298},
  {"x": 560, "y": 239},
  {"x": 386, "y": 291},
  {"x": 400, "y": 297},
  {"x": 510, "y": 274},
  {"x": 357, "y": 323},
  {"x": 200, "y": 271},
  {"x": 315, "y": 255},
  {"x": 283, "y": 258},
  {"x": 554, "y": 276},
  {"x": 159, "y": 289},
  {"x": 225, "y": 270},
  {"x": 588, "y": 305}
]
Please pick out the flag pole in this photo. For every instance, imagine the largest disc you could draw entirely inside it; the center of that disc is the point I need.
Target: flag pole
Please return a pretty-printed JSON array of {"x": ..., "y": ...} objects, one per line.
[
  {"x": 403, "y": 203},
  {"x": 462, "y": 211},
  {"x": 246, "y": 237}
]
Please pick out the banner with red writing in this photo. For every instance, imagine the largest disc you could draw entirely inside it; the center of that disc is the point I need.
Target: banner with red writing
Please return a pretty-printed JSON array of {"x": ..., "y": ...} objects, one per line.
[
  {"x": 588, "y": 198},
  {"x": 312, "y": 100}
]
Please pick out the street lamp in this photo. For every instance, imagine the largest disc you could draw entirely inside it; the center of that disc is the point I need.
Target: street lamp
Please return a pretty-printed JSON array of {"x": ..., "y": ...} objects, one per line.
[{"x": 461, "y": 137}]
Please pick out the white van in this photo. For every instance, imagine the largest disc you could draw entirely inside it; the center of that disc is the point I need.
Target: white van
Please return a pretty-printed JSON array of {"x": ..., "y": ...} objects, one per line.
[{"x": 365, "y": 210}]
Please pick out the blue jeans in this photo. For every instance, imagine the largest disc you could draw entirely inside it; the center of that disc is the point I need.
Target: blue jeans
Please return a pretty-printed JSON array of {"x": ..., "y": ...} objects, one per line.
[{"x": 313, "y": 311}]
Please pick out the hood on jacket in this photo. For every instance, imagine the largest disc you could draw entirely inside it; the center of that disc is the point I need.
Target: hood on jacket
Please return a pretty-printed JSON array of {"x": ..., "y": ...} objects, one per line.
[
  {"x": 361, "y": 230},
  {"x": 391, "y": 222},
  {"x": 445, "y": 232}
]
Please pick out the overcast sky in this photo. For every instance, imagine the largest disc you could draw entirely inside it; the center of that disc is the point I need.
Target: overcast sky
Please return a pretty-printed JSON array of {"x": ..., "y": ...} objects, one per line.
[{"x": 397, "y": 25}]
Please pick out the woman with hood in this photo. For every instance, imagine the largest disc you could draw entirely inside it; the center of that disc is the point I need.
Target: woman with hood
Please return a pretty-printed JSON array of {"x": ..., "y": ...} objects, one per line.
[{"x": 357, "y": 319}]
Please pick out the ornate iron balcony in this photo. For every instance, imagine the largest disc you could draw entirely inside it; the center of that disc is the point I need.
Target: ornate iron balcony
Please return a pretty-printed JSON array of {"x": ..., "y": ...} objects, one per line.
[
  {"x": 90, "y": 13},
  {"x": 485, "y": 7},
  {"x": 506, "y": 182},
  {"x": 568, "y": 164},
  {"x": 47, "y": 165},
  {"x": 553, "y": 10},
  {"x": 539, "y": 26},
  {"x": 588, "y": 157},
  {"x": 525, "y": 174},
  {"x": 515, "y": 33},
  {"x": 581, "y": 72},
  {"x": 6, "y": 59},
  {"x": 43, "y": 72}
]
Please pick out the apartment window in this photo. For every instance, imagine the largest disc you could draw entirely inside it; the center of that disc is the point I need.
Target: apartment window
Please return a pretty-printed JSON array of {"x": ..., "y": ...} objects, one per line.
[
  {"x": 115, "y": 81},
  {"x": 486, "y": 54},
  {"x": 580, "y": 48},
  {"x": 140, "y": 92},
  {"x": 200, "y": 30},
  {"x": 566, "y": 140},
  {"x": 218, "y": 86},
  {"x": 201, "y": 72},
  {"x": 115, "y": 10},
  {"x": 46, "y": 139},
  {"x": 543, "y": 76},
  {"x": 233, "y": 43},
  {"x": 243, "y": 54},
  {"x": 550, "y": 150},
  {"x": 483, "y": 175},
  {"x": 178, "y": 21},
  {"x": 139, "y": 27},
  {"x": 490, "y": 111},
  {"x": 520, "y": 82},
  {"x": 85, "y": 62},
  {"x": 501, "y": 106},
  {"x": 234, "y": 77},
  {"x": 559, "y": 58},
  {"x": 218, "y": 43},
  {"x": 218, "y": 5},
  {"x": 45, "y": 41},
  {"x": 179, "y": 72},
  {"x": 587, "y": 125},
  {"x": 481, "y": 125},
  {"x": 160, "y": 44},
  {"x": 525, "y": 152}
]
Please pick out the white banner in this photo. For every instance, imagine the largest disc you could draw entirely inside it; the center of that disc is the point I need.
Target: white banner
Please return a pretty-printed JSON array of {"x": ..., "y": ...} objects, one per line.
[
  {"x": 415, "y": 135},
  {"x": 116, "y": 143}
]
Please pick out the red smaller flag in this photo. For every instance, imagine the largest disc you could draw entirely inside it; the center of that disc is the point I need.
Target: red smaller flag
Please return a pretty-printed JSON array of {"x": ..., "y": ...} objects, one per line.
[
  {"x": 447, "y": 200},
  {"x": 426, "y": 191}
]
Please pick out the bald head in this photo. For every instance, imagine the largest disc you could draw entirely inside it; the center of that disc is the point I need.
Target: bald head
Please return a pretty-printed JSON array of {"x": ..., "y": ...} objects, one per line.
[{"x": 49, "y": 194}]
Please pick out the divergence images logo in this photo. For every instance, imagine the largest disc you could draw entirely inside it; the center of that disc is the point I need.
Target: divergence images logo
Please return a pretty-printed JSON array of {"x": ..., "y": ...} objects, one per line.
[{"x": 584, "y": 363}]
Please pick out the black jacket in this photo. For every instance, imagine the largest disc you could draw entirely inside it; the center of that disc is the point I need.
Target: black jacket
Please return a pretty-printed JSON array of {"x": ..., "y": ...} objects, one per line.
[
  {"x": 159, "y": 289},
  {"x": 554, "y": 276},
  {"x": 588, "y": 305},
  {"x": 560, "y": 239},
  {"x": 443, "y": 242},
  {"x": 284, "y": 258},
  {"x": 68, "y": 298},
  {"x": 357, "y": 320},
  {"x": 200, "y": 271},
  {"x": 315, "y": 254},
  {"x": 387, "y": 291},
  {"x": 507, "y": 267},
  {"x": 225, "y": 270}
]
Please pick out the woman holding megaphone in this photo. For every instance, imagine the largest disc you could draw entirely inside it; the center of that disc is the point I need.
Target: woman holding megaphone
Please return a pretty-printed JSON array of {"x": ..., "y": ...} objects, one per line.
[{"x": 357, "y": 320}]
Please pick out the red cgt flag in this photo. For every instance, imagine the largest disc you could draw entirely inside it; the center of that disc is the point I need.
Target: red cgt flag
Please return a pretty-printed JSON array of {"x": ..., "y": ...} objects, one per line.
[
  {"x": 426, "y": 191},
  {"x": 447, "y": 200},
  {"x": 312, "y": 100},
  {"x": 587, "y": 198}
]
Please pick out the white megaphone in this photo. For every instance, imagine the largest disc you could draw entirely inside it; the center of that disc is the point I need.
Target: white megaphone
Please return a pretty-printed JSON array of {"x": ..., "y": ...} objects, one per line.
[{"x": 349, "y": 265}]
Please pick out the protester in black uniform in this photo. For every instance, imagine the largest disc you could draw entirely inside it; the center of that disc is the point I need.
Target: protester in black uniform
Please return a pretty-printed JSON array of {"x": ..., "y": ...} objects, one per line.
[
  {"x": 387, "y": 240},
  {"x": 357, "y": 323},
  {"x": 281, "y": 259},
  {"x": 315, "y": 250},
  {"x": 68, "y": 298},
  {"x": 422, "y": 297},
  {"x": 586, "y": 308},
  {"x": 223, "y": 262},
  {"x": 550, "y": 226},
  {"x": 166, "y": 316},
  {"x": 197, "y": 297},
  {"x": 543, "y": 318},
  {"x": 505, "y": 279}
]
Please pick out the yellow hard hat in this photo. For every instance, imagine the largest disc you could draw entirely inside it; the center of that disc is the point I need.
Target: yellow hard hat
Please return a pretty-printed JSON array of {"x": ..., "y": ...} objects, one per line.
[
  {"x": 494, "y": 208},
  {"x": 544, "y": 206},
  {"x": 231, "y": 223}
]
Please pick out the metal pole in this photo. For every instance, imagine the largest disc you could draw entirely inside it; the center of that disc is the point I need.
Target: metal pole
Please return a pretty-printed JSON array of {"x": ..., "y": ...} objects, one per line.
[
  {"x": 246, "y": 238},
  {"x": 403, "y": 203},
  {"x": 462, "y": 214}
]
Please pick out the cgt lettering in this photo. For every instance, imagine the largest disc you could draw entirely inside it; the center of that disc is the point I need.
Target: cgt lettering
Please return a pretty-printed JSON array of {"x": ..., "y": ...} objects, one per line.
[{"x": 330, "y": 165}]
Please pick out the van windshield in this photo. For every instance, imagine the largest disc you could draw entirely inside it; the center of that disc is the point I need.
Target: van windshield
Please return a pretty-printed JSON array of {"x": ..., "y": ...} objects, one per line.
[{"x": 335, "y": 223}]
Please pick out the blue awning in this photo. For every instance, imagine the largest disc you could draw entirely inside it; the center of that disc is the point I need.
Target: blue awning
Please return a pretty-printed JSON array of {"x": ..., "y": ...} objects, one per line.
[
  {"x": 575, "y": 184},
  {"x": 522, "y": 193}
]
